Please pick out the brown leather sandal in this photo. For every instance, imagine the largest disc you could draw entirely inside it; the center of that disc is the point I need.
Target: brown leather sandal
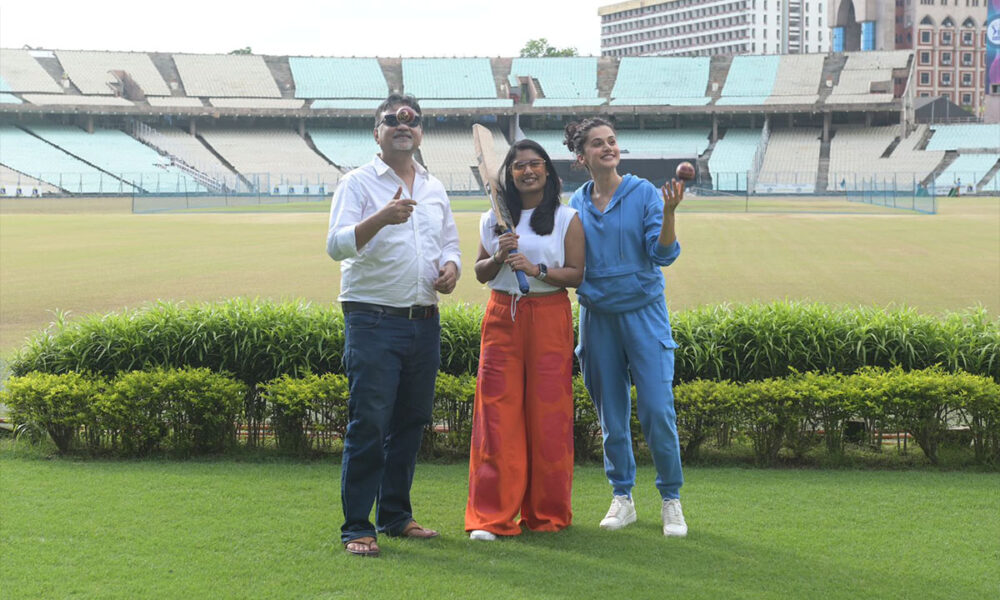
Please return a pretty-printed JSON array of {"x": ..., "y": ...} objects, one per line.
[
  {"x": 362, "y": 546},
  {"x": 414, "y": 530}
]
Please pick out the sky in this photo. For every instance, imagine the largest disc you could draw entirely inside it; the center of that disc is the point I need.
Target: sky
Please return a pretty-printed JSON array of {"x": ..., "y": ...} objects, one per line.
[{"x": 302, "y": 28}]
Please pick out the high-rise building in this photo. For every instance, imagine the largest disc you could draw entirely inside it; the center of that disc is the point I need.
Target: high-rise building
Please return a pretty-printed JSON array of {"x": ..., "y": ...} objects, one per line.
[
  {"x": 948, "y": 39},
  {"x": 709, "y": 27}
]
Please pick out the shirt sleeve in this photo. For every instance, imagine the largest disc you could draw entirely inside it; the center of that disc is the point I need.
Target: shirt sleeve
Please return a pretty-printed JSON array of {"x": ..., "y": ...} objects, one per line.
[
  {"x": 450, "y": 250},
  {"x": 487, "y": 237},
  {"x": 346, "y": 211},
  {"x": 652, "y": 223}
]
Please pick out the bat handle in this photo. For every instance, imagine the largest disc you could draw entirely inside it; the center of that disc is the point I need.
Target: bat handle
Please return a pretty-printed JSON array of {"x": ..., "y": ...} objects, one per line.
[{"x": 522, "y": 279}]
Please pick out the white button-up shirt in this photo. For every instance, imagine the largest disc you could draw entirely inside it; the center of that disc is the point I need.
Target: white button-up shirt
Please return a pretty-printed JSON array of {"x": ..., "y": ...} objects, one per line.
[{"x": 398, "y": 266}]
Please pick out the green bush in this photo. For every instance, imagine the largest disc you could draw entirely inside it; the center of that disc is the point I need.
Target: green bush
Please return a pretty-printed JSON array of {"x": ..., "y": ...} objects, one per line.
[
  {"x": 703, "y": 408},
  {"x": 450, "y": 433},
  {"x": 194, "y": 410},
  {"x": 257, "y": 341},
  {"x": 308, "y": 412},
  {"x": 979, "y": 402},
  {"x": 60, "y": 404},
  {"x": 587, "y": 437}
]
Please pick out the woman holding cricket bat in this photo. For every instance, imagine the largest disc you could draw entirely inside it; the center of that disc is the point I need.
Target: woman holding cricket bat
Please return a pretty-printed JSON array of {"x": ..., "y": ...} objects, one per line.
[
  {"x": 625, "y": 332},
  {"x": 521, "y": 460}
]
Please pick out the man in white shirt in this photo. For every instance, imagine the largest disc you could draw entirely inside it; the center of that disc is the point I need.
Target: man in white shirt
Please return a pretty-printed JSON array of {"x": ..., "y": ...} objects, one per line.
[{"x": 392, "y": 230}]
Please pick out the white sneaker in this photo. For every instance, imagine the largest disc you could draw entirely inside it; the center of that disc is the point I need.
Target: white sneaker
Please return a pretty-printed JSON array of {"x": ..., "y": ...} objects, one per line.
[
  {"x": 621, "y": 513},
  {"x": 482, "y": 535},
  {"x": 673, "y": 519}
]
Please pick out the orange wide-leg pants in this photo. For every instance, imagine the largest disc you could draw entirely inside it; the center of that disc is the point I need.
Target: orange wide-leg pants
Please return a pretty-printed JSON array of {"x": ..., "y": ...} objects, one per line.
[{"x": 521, "y": 460}]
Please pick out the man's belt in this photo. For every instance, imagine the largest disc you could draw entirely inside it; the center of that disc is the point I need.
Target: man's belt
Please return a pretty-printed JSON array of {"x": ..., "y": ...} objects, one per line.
[{"x": 409, "y": 312}]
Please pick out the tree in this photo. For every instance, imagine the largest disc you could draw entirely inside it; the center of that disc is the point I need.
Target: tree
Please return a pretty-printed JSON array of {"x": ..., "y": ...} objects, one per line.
[
  {"x": 541, "y": 47},
  {"x": 245, "y": 50}
]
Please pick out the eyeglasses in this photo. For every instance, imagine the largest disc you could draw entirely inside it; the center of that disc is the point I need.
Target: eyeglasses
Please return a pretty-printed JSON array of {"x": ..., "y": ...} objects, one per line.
[
  {"x": 390, "y": 120},
  {"x": 521, "y": 165}
]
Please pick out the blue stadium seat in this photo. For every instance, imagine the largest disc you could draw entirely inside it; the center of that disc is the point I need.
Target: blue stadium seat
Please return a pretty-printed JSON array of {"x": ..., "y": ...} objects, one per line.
[
  {"x": 337, "y": 78},
  {"x": 750, "y": 80},
  {"x": 666, "y": 80}
]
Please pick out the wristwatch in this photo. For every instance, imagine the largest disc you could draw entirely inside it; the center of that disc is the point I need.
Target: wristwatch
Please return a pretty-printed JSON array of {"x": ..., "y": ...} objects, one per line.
[{"x": 543, "y": 272}]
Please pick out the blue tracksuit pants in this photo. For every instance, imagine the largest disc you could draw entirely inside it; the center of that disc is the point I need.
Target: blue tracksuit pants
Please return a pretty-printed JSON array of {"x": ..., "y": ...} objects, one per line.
[{"x": 613, "y": 346}]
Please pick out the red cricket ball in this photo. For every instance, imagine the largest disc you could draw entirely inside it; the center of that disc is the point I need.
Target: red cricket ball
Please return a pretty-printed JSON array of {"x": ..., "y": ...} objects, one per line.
[
  {"x": 405, "y": 114},
  {"x": 685, "y": 171}
]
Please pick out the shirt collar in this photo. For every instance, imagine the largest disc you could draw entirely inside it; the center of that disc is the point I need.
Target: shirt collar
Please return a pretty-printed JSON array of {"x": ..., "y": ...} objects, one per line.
[{"x": 381, "y": 168}]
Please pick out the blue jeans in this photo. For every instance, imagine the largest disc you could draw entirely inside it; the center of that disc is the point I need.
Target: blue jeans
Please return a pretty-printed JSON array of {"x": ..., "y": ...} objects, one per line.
[{"x": 391, "y": 365}]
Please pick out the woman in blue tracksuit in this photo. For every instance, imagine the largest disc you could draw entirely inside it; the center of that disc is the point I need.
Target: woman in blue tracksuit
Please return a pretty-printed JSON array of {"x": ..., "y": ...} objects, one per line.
[{"x": 624, "y": 329}]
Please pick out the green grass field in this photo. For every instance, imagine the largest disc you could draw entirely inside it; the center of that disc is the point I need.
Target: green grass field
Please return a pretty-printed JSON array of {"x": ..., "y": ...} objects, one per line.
[
  {"x": 238, "y": 529},
  {"x": 106, "y": 261}
]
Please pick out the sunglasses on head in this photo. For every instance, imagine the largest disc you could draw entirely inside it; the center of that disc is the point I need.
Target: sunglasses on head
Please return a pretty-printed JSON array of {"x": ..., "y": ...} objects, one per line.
[{"x": 391, "y": 120}]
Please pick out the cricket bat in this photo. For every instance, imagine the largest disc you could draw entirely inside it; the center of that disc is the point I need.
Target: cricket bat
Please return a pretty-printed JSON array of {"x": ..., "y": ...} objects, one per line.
[{"x": 489, "y": 166}]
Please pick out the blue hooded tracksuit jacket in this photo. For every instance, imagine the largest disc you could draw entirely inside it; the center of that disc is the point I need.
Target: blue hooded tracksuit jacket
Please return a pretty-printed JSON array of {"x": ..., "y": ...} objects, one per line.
[{"x": 625, "y": 335}]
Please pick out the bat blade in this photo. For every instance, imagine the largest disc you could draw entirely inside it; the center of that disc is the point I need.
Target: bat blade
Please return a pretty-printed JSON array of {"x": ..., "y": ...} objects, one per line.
[{"x": 488, "y": 164}]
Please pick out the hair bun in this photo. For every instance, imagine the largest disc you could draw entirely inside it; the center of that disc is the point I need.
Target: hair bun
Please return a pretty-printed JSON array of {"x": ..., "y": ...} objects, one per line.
[{"x": 570, "y": 133}]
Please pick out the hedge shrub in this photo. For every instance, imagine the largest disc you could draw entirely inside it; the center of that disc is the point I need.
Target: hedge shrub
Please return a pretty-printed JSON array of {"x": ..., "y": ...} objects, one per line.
[
  {"x": 195, "y": 411},
  {"x": 307, "y": 413},
  {"x": 258, "y": 341}
]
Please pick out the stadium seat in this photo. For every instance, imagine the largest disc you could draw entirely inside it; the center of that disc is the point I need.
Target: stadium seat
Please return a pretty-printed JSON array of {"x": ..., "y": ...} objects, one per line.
[{"x": 340, "y": 78}]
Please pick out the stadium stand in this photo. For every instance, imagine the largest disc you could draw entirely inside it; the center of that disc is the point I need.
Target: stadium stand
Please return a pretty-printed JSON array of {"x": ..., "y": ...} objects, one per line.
[
  {"x": 564, "y": 81},
  {"x": 75, "y": 100},
  {"x": 226, "y": 75},
  {"x": 663, "y": 143},
  {"x": 288, "y": 160},
  {"x": 266, "y": 103},
  {"x": 791, "y": 162},
  {"x": 452, "y": 83},
  {"x": 338, "y": 77},
  {"x": 175, "y": 102},
  {"x": 797, "y": 80},
  {"x": 732, "y": 158},
  {"x": 10, "y": 99},
  {"x": 182, "y": 147},
  {"x": 118, "y": 153},
  {"x": 856, "y": 158},
  {"x": 30, "y": 155},
  {"x": 750, "y": 80},
  {"x": 663, "y": 80},
  {"x": 22, "y": 73},
  {"x": 551, "y": 140},
  {"x": 346, "y": 148},
  {"x": 970, "y": 136},
  {"x": 90, "y": 72},
  {"x": 13, "y": 183},
  {"x": 967, "y": 170},
  {"x": 348, "y": 104},
  {"x": 448, "y": 152},
  {"x": 863, "y": 69}
]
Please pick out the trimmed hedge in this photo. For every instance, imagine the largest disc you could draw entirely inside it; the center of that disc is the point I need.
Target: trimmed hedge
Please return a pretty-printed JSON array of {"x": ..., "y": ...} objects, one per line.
[
  {"x": 258, "y": 341},
  {"x": 195, "y": 411}
]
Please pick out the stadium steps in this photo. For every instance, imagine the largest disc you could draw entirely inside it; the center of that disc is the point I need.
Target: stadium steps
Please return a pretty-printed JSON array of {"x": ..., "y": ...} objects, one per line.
[
  {"x": 312, "y": 146},
  {"x": 210, "y": 183},
  {"x": 392, "y": 68},
  {"x": 949, "y": 157},
  {"x": 282, "y": 74},
  {"x": 832, "y": 67},
  {"x": 704, "y": 173},
  {"x": 891, "y": 147},
  {"x": 823, "y": 172},
  {"x": 607, "y": 73},
  {"x": 501, "y": 67},
  {"x": 54, "y": 68},
  {"x": 989, "y": 177},
  {"x": 164, "y": 63},
  {"x": 249, "y": 185},
  {"x": 924, "y": 139},
  {"x": 718, "y": 71}
]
